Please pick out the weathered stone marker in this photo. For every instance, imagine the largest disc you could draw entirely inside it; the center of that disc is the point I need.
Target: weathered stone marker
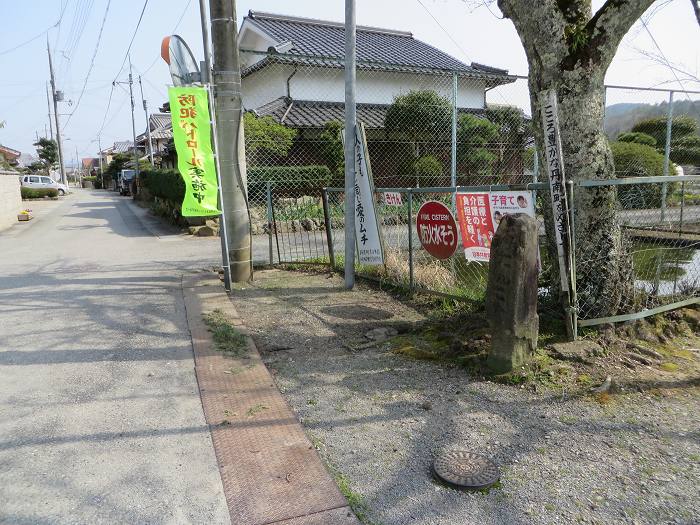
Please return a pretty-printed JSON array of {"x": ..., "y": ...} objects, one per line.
[{"x": 511, "y": 294}]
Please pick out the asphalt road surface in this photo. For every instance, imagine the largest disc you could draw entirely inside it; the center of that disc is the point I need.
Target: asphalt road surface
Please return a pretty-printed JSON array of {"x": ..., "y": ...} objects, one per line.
[{"x": 100, "y": 415}]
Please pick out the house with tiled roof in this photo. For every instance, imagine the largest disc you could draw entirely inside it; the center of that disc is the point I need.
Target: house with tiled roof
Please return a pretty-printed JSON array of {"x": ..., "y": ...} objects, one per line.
[
  {"x": 161, "y": 128},
  {"x": 298, "y": 78}
]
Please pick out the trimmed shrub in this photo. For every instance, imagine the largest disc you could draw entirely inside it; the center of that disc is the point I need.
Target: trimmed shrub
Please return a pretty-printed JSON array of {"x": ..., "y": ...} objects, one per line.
[
  {"x": 638, "y": 137},
  {"x": 637, "y": 160},
  {"x": 656, "y": 127},
  {"x": 428, "y": 169},
  {"x": 165, "y": 184},
  {"x": 35, "y": 193},
  {"x": 297, "y": 178}
]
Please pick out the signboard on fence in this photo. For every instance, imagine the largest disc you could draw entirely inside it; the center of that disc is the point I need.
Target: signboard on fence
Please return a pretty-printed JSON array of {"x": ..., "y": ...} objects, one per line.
[
  {"x": 437, "y": 229},
  {"x": 367, "y": 234},
  {"x": 392, "y": 198},
  {"x": 189, "y": 108},
  {"x": 480, "y": 214},
  {"x": 557, "y": 181}
]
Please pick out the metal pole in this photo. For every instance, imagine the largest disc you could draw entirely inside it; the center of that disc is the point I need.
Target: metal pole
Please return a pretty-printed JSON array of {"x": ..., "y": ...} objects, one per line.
[
  {"x": 350, "y": 137},
  {"x": 48, "y": 104},
  {"x": 453, "y": 170},
  {"x": 133, "y": 122},
  {"x": 99, "y": 155},
  {"x": 667, "y": 154},
  {"x": 329, "y": 228},
  {"x": 226, "y": 76},
  {"x": 61, "y": 167},
  {"x": 411, "y": 284},
  {"x": 205, "y": 41},
  {"x": 148, "y": 124},
  {"x": 270, "y": 224},
  {"x": 572, "y": 259}
]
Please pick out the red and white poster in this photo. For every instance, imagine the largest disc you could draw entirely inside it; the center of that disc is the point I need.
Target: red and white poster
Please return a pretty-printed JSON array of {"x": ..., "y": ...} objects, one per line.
[
  {"x": 479, "y": 215},
  {"x": 437, "y": 229}
]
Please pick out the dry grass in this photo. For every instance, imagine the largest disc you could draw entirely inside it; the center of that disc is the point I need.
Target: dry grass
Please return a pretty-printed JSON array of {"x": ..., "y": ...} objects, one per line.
[{"x": 431, "y": 275}]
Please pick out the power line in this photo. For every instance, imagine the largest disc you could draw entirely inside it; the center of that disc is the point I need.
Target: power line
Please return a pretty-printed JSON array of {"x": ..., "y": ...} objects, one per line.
[
  {"x": 184, "y": 12},
  {"x": 92, "y": 64},
  {"x": 128, "y": 50},
  {"x": 57, "y": 24},
  {"x": 665, "y": 60},
  {"x": 443, "y": 29}
]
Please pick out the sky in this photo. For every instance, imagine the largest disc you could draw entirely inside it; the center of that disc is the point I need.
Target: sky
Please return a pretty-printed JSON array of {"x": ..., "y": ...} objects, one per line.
[{"x": 470, "y": 30}]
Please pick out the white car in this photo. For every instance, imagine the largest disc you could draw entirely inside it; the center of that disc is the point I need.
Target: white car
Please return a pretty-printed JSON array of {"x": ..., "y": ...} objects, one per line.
[{"x": 40, "y": 182}]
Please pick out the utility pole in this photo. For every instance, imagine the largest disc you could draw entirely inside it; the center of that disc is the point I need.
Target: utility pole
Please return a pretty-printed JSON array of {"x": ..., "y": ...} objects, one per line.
[
  {"x": 48, "y": 104},
  {"x": 62, "y": 168},
  {"x": 231, "y": 153},
  {"x": 99, "y": 154},
  {"x": 79, "y": 166},
  {"x": 350, "y": 134},
  {"x": 148, "y": 124},
  {"x": 133, "y": 123},
  {"x": 206, "y": 77}
]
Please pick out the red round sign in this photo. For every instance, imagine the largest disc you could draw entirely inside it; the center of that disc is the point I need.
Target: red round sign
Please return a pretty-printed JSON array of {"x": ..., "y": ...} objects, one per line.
[{"x": 437, "y": 229}]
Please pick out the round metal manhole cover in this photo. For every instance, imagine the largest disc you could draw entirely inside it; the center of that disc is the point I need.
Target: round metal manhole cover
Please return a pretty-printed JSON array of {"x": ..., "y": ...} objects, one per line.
[{"x": 466, "y": 469}]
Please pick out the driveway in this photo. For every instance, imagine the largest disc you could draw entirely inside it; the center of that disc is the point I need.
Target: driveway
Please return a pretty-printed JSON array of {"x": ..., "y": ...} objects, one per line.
[{"x": 100, "y": 414}]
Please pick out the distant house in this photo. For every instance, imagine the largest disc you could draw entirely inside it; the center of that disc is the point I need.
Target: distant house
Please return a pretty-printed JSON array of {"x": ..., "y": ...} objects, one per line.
[
  {"x": 10, "y": 155},
  {"x": 161, "y": 127},
  {"x": 123, "y": 146},
  {"x": 298, "y": 79}
]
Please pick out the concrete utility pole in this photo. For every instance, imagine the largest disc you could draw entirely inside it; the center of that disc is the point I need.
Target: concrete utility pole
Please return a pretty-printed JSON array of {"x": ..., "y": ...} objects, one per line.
[
  {"x": 350, "y": 120},
  {"x": 48, "y": 105},
  {"x": 99, "y": 154},
  {"x": 133, "y": 123},
  {"x": 62, "y": 168},
  {"x": 226, "y": 79},
  {"x": 148, "y": 124}
]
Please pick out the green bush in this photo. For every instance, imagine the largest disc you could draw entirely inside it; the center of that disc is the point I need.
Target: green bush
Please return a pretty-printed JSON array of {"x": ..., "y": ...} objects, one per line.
[
  {"x": 166, "y": 184},
  {"x": 427, "y": 168},
  {"x": 638, "y": 137},
  {"x": 293, "y": 177},
  {"x": 32, "y": 193},
  {"x": 637, "y": 160},
  {"x": 90, "y": 179},
  {"x": 656, "y": 127}
]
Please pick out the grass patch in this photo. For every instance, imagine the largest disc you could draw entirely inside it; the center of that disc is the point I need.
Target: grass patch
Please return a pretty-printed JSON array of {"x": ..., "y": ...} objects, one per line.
[
  {"x": 667, "y": 366},
  {"x": 603, "y": 398},
  {"x": 256, "y": 409},
  {"x": 355, "y": 499},
  {"x": 227, "y": 338}
]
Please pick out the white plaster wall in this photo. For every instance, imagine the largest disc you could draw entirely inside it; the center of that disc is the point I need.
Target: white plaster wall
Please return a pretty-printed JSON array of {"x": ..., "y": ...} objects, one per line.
[
  {"x": 373, "y": 87},
  {"x": 10, "y": 199}
]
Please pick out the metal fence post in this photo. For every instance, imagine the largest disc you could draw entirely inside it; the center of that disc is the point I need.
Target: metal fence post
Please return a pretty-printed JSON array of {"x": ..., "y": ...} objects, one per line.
[
  {"x": 453, "y": 165},
  {"x": 572, "y": 259},
  {"x": 411, "y": 284},
  {"x": 329, "y": 225},
  {"x": 270, "y": 224},
  {"x": 667, "y": 154}
]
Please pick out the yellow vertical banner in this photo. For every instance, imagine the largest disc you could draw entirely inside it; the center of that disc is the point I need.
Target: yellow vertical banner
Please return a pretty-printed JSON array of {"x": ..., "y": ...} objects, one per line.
[{"x": 189, "y": 108}]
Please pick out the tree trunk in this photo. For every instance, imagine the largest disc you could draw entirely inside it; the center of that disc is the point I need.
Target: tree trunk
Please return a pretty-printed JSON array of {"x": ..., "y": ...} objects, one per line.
[{"x": 569, "y": 50}]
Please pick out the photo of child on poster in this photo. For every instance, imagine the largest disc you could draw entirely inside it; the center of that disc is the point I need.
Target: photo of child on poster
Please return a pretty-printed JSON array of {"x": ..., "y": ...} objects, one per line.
[{"x": 480, "y": 214}]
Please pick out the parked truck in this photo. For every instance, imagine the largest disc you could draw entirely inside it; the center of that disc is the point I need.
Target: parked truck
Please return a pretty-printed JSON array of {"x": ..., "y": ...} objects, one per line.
[{"x": 126, "y": 182}]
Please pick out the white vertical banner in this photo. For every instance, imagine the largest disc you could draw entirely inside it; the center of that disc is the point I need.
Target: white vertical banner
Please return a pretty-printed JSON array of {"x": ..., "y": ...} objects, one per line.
[
  {"x": 554, "y": 165},
  {"x": 367, "y": 233}
]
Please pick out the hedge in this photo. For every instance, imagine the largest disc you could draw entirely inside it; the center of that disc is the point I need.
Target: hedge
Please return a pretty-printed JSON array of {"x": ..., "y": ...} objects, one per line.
[
  {"x": 32, "y": 193},
  {"x": 638, "y": 160},
  {"x": 166, "y": 184}
]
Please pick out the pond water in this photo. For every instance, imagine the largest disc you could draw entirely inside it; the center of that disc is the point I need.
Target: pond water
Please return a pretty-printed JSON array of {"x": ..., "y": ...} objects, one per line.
[{"x": 665, "y": 270}]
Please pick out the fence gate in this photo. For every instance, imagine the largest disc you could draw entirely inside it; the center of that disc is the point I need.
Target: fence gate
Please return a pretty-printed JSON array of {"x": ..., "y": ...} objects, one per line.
[{"x": 298, "y": 232}]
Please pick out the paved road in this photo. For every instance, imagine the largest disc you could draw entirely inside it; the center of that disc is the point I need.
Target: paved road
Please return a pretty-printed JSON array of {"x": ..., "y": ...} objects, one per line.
[{"x": 100, "y": 415}]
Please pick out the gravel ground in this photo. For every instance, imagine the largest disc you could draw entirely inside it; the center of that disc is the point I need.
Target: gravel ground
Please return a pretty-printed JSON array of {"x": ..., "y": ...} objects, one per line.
[{"x": 380, "y": 419}]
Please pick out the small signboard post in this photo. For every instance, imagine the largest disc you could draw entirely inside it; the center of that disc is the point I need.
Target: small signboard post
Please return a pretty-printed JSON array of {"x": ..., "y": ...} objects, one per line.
[
  {"x": 554, "y": 165},
  {"x": 437, "y": 229},
  {"x": 367, "y": 234}
]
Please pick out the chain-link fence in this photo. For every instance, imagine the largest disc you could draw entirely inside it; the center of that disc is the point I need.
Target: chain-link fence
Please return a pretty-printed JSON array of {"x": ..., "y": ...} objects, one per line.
[{"x": 431, "y": 130}]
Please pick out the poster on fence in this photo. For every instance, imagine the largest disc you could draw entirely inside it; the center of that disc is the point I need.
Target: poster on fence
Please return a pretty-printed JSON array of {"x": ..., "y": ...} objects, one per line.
[
  {"x": 192, "y": 136},
  {"x": 480, "y": 214}
]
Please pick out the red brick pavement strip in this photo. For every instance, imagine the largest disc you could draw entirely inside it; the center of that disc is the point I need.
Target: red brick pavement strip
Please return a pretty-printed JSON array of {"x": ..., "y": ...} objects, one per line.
[{"x": 270, "y": 471}]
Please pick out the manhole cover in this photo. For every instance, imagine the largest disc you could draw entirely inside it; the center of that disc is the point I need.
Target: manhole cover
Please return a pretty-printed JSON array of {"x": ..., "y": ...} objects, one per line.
[{"x": 466, "y": 469}]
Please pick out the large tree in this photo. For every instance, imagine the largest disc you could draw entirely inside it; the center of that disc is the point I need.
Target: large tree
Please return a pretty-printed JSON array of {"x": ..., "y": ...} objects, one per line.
[
  {"x": 569, "y": 49},
  {"x": 47, "y": 149}
]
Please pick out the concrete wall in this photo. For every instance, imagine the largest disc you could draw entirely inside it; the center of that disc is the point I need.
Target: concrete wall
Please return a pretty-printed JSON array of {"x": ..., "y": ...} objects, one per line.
[
  {"x": 373, "y": 87},
  {"x": 10, "y": 199}
]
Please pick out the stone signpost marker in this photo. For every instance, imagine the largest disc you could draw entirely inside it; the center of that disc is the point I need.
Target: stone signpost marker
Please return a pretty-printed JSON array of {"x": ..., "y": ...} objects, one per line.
[{"x": 511, "y": 294}]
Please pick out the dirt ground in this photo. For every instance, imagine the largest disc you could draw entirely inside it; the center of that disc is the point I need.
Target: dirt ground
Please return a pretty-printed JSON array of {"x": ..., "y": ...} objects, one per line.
[{"x": 379, "y": 414}]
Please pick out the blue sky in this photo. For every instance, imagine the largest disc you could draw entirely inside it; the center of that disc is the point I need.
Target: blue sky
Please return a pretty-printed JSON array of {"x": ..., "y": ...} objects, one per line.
[{"x": 463, "y": 29}]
